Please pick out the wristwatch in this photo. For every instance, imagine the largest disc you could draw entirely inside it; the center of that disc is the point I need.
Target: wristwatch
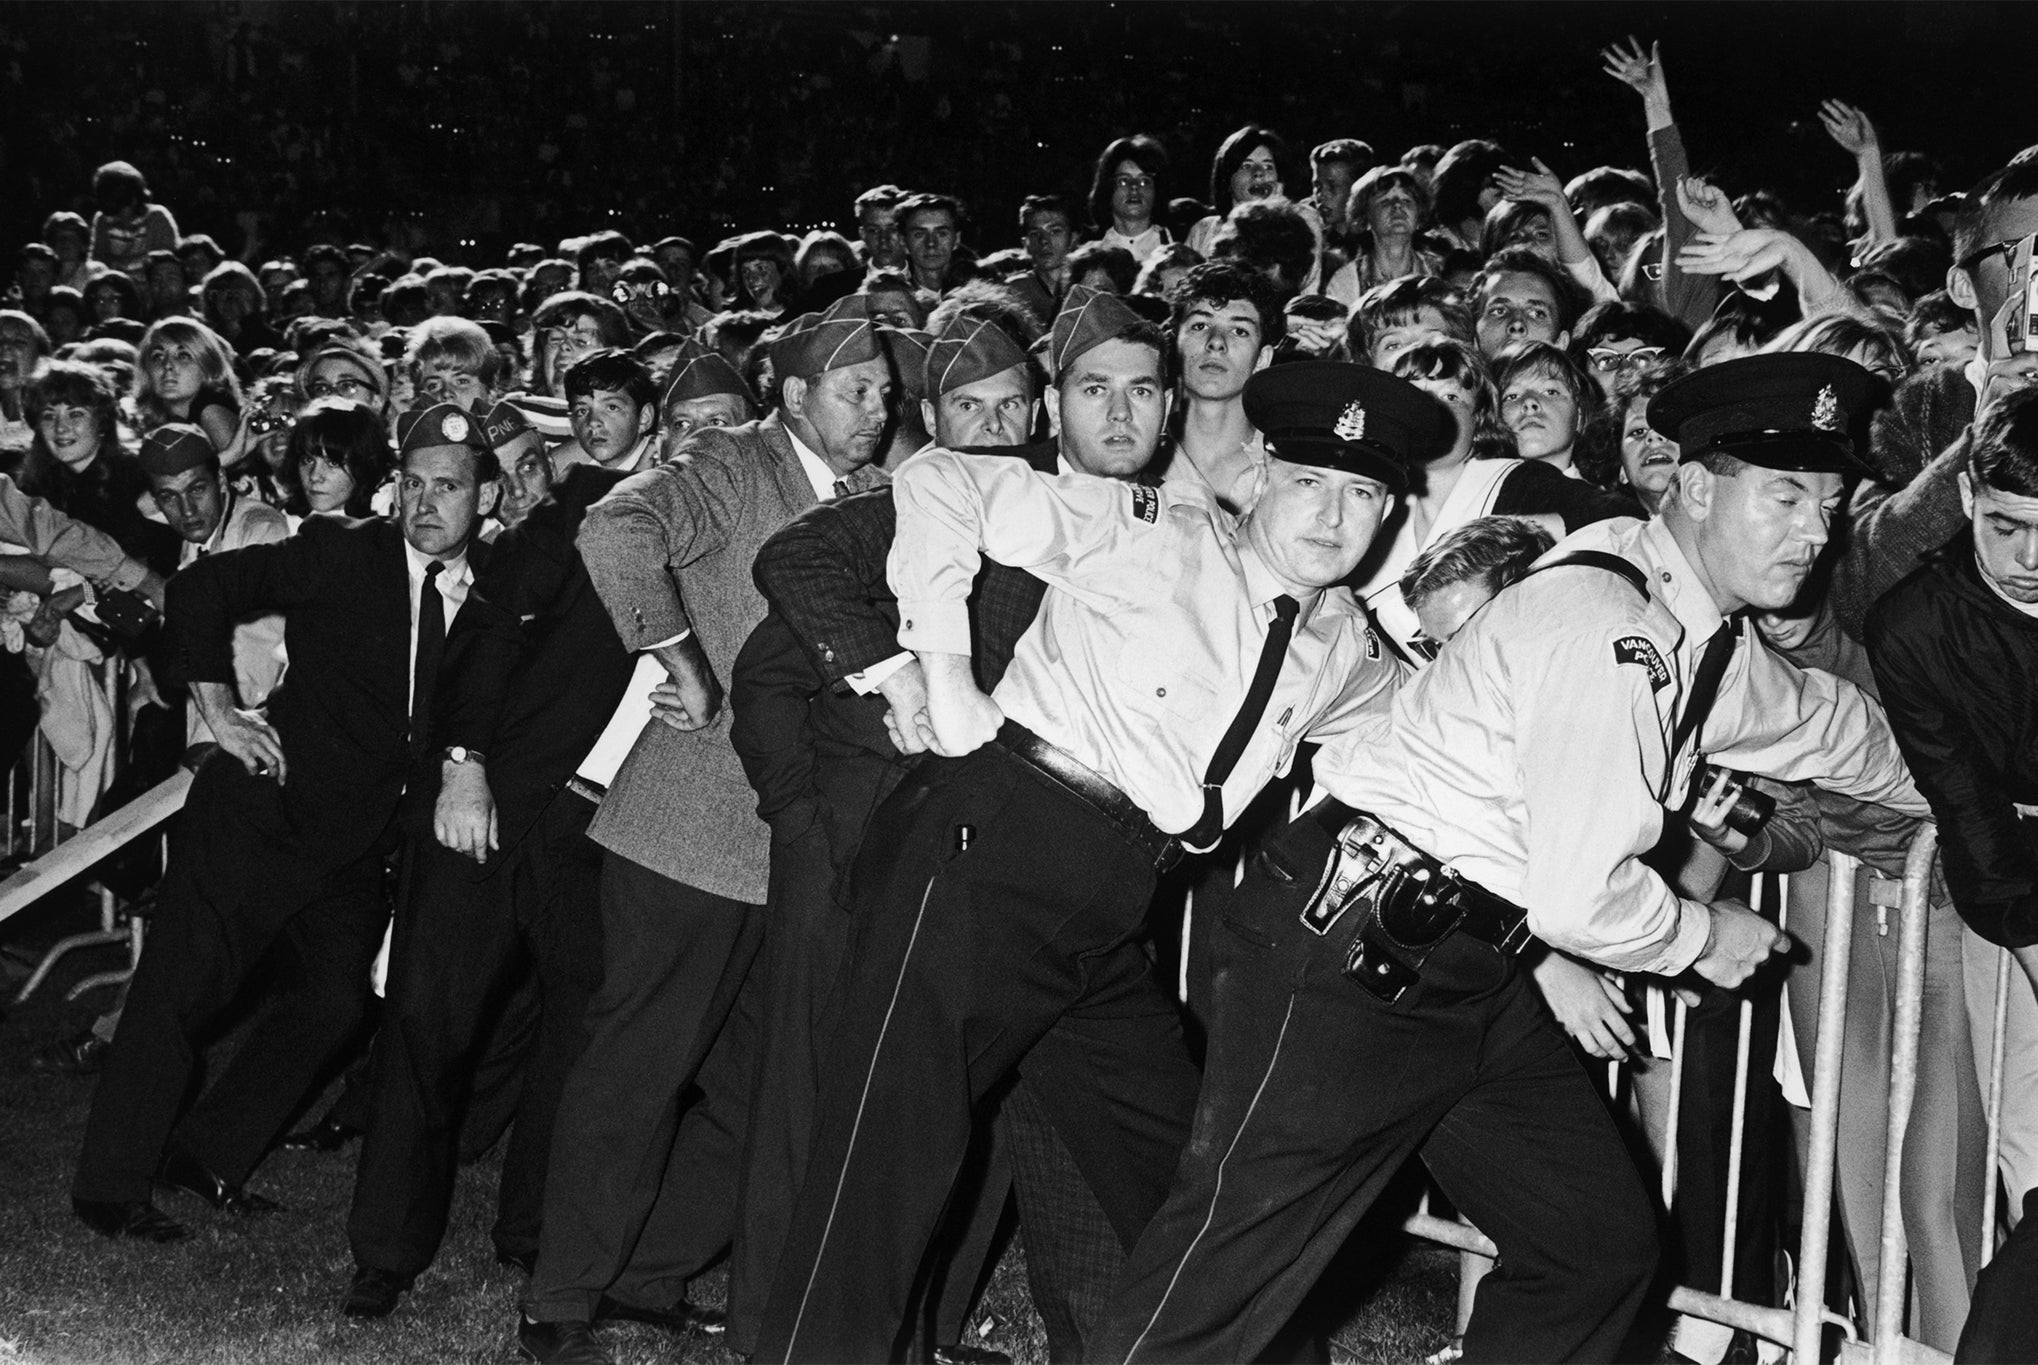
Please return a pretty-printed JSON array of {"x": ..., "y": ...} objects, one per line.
[{"x": 460, "y": 753}]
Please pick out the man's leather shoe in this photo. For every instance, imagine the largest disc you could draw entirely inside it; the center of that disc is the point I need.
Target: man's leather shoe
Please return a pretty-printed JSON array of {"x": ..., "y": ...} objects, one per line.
[
  {"x": 681, "y": 1317},
  {"x": 80, "y": 1055},
  {"x": 323, "y": 1136},
  {"x": 525, "y": 1261},
  {"x": 560, "y": 1343},
  {"x": 374, "y": 1293},
  {"x": 959, "y": 1354},
  {"x": 181, "y": 1172},
  {"x": 136, "y": 1218}
]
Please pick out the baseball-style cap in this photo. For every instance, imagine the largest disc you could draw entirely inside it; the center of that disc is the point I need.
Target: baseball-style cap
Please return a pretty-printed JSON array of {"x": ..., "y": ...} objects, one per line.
[
  {"x": 1796, "y": 410},
  {"x": 1353, "y": 418}
]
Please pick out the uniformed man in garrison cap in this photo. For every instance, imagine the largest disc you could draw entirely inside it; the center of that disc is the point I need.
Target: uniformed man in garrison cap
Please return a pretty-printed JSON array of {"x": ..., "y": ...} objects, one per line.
[
  {"x": 1178, "y": 659},
  {"x": 1370, "y": 1004}
]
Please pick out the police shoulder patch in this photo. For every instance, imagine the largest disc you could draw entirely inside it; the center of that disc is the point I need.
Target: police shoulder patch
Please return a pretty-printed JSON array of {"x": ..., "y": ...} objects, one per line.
[
  {"x": 1146, "y": 503},
  {"x": 1637, "y": 650},
  {"x": 1372, "y": 645}
]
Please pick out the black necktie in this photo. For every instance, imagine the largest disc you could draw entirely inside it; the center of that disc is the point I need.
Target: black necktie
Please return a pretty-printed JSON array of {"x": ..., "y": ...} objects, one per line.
[
  {"x": 1206, "y": 831},
  {"x": 431, "y": 648},
  {"x": 1705, "y": 686}
]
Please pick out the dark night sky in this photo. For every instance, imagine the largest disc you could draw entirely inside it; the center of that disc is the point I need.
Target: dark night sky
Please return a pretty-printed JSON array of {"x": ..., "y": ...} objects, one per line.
[{"x": 497, "y": 121}]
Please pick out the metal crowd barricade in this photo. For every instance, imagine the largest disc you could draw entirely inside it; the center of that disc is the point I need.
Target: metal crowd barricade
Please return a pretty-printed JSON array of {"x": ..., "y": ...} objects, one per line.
[
  {"x": 34, "y": 832},
  {"x": 1801, "y": 1328}
]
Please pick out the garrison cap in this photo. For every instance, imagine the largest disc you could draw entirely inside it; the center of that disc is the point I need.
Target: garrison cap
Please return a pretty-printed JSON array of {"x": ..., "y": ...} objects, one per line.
[
  {"x": 1088, "y": 317},
  {"x": 970, "y": 348},
  {"x": 441, "y": 424},
  {"x": 816, "y": 342},
  {"x": 698, "y": 372},
  {"x": 1795, "y": 410},
  {"x": 502, "y": 423},
  {"x": 908, "y": 347},
  {"x": 1348, "y": 417},
  {"x": 174, "y": 447}
]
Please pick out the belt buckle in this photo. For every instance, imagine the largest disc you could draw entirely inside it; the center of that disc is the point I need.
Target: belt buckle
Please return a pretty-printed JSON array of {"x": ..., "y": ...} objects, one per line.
[{"x": 1364, "y": 852}]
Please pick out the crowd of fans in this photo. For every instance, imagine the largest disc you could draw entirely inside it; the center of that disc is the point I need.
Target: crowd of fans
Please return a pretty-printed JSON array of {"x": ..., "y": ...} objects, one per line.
[{"x": 184, "y": 404}]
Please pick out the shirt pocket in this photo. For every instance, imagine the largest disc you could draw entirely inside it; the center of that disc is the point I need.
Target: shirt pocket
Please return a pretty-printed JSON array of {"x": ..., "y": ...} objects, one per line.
[{"x": 1158, "y": 674}]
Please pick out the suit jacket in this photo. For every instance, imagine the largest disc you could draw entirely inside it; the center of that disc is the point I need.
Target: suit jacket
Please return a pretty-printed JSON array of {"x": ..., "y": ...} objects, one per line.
[
  {"x": 535, "y": 702},
  {"x": 825, "y": 574},
  {"x": 343, "y": 713},
  {"x": 670, "y": 551},
  {"x": 818, "y": 756}
]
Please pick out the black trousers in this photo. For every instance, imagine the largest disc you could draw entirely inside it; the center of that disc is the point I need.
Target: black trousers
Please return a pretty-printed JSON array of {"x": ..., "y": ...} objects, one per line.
[
  {"x": 236, "y": 888},
  {"x": 460, "y": 944},
  {"x": 1023, "y": 952},
  {"x": 1314, "y": 1095},
  {"x": 641, "y": 1192},
  {"x": 2002, "y": 1326}
]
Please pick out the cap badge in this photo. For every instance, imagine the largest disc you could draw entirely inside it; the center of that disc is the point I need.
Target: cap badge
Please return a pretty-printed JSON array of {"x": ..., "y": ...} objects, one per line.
[
  {"x": 1826, "y": 410},
  {"x": 1351, "y": 424},
  {"x": 454, "y": 427}
]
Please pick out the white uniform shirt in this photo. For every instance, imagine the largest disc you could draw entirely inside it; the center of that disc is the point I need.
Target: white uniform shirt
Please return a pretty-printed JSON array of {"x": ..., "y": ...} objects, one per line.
[
  {"x": 1534, "y": 755},
  {"x": 1150, "y": 632}
]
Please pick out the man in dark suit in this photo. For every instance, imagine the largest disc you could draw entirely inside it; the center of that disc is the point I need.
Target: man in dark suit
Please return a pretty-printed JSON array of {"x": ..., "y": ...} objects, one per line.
[
  {"x": 509, "y": 876},
  {"x": 810, "y": 726},
  {"x": 641, "y": 1190},
  {"x": 283, "y": 837}
]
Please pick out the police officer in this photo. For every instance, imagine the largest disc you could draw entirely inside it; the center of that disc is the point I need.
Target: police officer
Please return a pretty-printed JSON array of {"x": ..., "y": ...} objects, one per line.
[
  {"x": 1512, "y": 790},
  {"x": 1175, "y": 665}
]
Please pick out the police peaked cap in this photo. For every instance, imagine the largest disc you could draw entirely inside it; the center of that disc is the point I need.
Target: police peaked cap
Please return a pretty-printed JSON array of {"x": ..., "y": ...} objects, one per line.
[
  {"x": 1795, "y": 410},
  {"x": 1353, "y": 418}
]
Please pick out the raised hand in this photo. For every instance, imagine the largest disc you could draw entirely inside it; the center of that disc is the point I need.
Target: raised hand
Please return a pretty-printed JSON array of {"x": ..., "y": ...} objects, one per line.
[
  {"x": 1640, "y": 71},
  {"x": 1706, "y": 206},
  {"x": 1540, "y": 186},
  {"x": 1741, "y": 256},
  {"x": 1850, "y": 128}
]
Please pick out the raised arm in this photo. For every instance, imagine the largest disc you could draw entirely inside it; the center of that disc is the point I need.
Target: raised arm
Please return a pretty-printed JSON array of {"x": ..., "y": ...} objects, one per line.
[
  {"x": 1542, "y": 187},
  {"x": 1856, "y": 136},
  {"x": 1688, "y": 297},
  {"x": 57, "y": 541}
]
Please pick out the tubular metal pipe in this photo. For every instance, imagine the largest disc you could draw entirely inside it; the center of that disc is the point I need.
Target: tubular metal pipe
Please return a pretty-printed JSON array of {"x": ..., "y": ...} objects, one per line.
[{"x": 1814, "y": 1241}]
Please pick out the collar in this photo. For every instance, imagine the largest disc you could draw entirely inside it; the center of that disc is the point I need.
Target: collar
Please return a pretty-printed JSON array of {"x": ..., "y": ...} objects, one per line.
[
  {"x": 456, "y": 570},
  {"x": 813, "y": 466},
  {"x": 1263, "y": 587},
  {"x": 227, "y": 509},
  {"x": 1650, "y": 547}
]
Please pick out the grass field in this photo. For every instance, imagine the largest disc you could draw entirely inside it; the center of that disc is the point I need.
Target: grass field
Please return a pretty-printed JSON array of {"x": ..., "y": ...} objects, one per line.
[{"x": 266, "y": 1291}]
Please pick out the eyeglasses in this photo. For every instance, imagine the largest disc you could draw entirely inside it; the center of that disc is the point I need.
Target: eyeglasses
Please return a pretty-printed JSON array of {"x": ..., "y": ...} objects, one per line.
[
  {"x": 1607, "y": 360},
  {"x": 349, "y": 387},
  {"x": 2007, "y": 249}
]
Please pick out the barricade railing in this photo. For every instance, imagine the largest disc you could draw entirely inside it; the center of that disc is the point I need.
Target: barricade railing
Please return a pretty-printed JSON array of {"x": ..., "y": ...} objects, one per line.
[
  {"x": 34, "y": 831},
  {"x": 1801, "y": 1328}
]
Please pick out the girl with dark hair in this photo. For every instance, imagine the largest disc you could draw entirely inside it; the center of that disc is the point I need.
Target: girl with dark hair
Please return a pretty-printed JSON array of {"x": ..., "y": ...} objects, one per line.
[
  {"x": 1648, "y": 458},
  {"x": 127, "y": 226},
  {"x": 1251, "y": 164},
  {"x": 1126, "y": 193},
  {"x": 110, "y": 296},
  {"x": 75, "y": 462},
  {"x": 1466, "y": 187},
  {"x": 341, "y": 453}
]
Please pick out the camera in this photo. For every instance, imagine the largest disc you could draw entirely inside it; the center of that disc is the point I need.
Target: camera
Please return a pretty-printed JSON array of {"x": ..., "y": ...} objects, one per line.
[{"x": 1747, "y": 809}]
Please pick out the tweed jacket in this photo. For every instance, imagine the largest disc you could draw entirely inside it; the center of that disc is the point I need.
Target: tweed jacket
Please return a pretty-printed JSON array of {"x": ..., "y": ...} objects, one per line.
[{"x": 670, "y": 550}]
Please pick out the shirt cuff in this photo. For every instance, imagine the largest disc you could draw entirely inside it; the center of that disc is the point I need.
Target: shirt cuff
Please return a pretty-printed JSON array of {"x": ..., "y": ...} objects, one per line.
[
  {"x": 1694, "y": 928},
  {"x": 128, "y": 576},
  {"x": 872, "y": 678},
  {"x": 936, "y": 627},
  {"x": 663, "y": 644}
]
